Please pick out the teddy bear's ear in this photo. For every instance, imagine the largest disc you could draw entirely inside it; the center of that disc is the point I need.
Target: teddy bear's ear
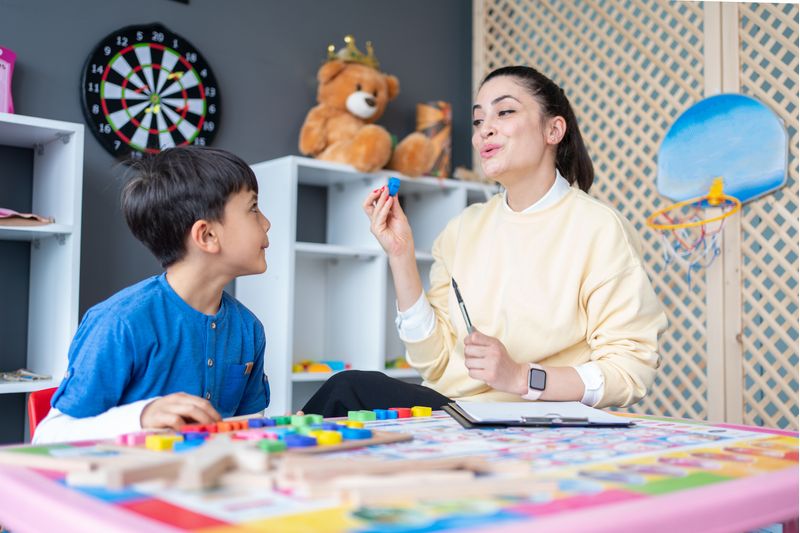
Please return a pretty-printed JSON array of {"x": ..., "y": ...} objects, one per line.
[
  {"x": 330, "y": 70},
  {"x": 393, "y": 85}
]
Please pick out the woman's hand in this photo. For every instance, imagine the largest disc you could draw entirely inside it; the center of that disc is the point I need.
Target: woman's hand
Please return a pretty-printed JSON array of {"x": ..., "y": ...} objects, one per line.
[
  {"x": 389, "y": 224},
  {"x": 176, "y": 410},
  {"x": 487, "y": 359}
]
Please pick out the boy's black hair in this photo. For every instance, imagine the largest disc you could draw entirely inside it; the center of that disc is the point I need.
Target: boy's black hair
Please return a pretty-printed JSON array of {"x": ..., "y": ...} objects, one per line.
[{"x": 170, "y": 191}]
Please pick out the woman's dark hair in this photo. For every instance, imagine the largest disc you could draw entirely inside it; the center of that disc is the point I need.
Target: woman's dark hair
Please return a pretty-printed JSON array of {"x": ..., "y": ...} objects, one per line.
[
  {"x": 572, "y": 158},
  {"x": 170, "y": 191}
]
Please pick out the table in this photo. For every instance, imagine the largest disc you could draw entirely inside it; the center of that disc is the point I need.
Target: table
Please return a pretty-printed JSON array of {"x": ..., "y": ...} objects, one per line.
[{"x": 659, "y": 475}]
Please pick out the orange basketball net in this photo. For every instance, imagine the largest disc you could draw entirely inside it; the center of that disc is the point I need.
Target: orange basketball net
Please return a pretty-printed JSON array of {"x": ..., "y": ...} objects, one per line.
[{"x": 690, "y": 230}]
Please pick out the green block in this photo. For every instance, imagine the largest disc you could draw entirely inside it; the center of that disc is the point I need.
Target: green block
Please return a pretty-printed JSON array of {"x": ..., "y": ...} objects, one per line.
[
  {"x": 672, "y": 484},
  {"x": 272, "y": 446},
  {"x": 315, "y": 419},
  {"x": 304, "y": 430},
  {"x": 282, "y": 420},
  {"x": 361, "y": 416},
  {"x": 300, "y": 420}
]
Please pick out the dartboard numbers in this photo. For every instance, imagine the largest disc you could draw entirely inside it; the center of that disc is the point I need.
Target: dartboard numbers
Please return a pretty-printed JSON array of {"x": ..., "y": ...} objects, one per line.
[{"x": 146, "y": 89}]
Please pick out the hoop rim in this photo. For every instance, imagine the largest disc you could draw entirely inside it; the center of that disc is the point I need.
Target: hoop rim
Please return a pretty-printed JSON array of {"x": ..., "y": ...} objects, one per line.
[{"x": 737, "y": 205}]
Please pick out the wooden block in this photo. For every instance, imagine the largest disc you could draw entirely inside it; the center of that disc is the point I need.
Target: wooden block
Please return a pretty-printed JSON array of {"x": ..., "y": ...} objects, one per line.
[
  {"x": 247, "y": 480},
  {"x": 128, "y": 471},
  {"x": 252, "y": 459},
  {"x": 202, "y": 467},
  {"x": 295, "y": 469}
]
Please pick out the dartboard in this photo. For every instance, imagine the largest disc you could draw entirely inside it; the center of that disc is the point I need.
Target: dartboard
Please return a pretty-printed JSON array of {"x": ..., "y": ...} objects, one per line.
[{"x": 145, "y": 89}]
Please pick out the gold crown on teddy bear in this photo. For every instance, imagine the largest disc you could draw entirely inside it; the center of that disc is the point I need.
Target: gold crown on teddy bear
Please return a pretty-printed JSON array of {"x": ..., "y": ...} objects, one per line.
[{"x": 351, "y": 54}]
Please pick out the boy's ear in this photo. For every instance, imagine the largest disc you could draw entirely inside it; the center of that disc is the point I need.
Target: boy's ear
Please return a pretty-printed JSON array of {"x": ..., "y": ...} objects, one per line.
[{"x": 203, "y": 235}]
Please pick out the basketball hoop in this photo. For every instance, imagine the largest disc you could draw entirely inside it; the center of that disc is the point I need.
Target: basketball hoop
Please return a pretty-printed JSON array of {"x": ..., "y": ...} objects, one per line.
[{"x": 690, "y": 233}]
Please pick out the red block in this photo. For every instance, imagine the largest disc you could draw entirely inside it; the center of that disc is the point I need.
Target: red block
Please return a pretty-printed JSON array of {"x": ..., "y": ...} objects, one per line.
[{"x": 402, "y": 412}]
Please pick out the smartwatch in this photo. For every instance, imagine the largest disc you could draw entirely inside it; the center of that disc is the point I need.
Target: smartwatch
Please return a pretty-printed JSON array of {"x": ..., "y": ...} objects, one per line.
[{"x": 537, "y": 381}]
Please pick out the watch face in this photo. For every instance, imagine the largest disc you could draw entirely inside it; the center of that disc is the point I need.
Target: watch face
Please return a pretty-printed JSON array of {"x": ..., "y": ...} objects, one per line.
[{"x": 537, "y": 378}]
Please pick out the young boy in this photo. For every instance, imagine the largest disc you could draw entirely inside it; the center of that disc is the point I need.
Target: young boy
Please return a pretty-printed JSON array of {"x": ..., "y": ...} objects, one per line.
[{"x": 173, "y": 349}]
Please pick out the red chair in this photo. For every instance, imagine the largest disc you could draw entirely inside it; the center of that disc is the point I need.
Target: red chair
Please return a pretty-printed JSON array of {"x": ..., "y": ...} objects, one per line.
[{"x": 39, "y": 406}]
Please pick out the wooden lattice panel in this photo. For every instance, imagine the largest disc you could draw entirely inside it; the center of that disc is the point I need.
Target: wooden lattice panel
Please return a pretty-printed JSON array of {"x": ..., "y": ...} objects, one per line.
[
  {"x": 629, "y": 69},
  {"x": 768, "y": 58}
]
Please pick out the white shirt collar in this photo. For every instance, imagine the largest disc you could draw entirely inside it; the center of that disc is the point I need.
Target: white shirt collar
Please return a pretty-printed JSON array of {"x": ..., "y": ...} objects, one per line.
[{"x": 557, "y": 191}]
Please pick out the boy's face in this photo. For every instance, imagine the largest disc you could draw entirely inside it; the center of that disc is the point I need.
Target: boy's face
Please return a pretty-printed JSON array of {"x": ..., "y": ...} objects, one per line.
[{"x": 244, "y": 234}]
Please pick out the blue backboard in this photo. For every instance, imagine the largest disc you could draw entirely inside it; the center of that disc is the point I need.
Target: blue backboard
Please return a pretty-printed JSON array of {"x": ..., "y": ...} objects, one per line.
[{"x": 728, "y": 135}]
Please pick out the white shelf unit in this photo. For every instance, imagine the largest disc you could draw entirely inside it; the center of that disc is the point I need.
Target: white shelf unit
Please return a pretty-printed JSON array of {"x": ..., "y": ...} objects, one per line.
[
  {"x": 333, "y": 298},
  {"x": 57, "y": 182}
]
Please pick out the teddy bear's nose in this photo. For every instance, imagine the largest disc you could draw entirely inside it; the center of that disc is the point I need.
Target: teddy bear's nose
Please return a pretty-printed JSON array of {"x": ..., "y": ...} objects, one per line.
[{"x": 370, "y": 101}]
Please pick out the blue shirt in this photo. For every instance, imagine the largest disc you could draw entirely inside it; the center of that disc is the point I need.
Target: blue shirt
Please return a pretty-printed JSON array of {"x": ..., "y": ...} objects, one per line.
[{"x": 145, "y": 341}]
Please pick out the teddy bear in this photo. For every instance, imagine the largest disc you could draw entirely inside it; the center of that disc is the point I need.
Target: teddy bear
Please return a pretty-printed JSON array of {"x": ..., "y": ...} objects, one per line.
[{"x": 353, "y": 94}]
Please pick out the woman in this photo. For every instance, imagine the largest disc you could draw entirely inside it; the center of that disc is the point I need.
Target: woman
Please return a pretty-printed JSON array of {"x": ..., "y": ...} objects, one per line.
[{"x": 553, "y": 279}]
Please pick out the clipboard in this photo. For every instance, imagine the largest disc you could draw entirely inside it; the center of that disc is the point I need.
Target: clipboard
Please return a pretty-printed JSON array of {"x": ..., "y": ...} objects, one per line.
[{"x": 534, "y": 414}]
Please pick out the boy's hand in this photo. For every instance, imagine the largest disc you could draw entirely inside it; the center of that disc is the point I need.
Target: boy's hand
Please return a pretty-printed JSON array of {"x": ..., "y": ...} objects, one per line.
[{"x": 176, "y": 410}]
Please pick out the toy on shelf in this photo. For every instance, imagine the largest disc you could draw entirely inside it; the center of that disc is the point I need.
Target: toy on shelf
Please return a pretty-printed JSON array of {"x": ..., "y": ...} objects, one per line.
[
  {"x": 7, "y": 58},
  {"x": 307, "y": 365},
  {"x": 23, "y": 375},
  {"x": 397, "y": 362},
  {"x": 435, "y": 121},
  {"x": 9, "y": 217},
  {"x": 352, "y": 94}
]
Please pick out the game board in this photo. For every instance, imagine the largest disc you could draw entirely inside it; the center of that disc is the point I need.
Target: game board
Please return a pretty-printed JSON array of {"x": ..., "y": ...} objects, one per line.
[{"x": 644, "y": 471}]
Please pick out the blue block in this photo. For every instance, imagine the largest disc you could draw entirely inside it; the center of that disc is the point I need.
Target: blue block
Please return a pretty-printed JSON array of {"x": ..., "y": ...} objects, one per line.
[
  {"x": 299, "y": 441},
  {"x": 195, "y": 435},
  {"x": 330, "y": 426},
  {"x": 260, "y": 422},
  {"x": 391, "y": 414},
  {"x": 187, "y": 445},
  {"x": 381, "y": 414},
  {"x": 394, "y": 186},
  {"x": 356, "y": 433},
  {"x": 281, "y": 432}
]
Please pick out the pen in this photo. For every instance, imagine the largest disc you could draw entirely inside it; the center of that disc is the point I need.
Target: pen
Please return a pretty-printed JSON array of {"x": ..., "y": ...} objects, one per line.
[{"x": 463, "y": 307}]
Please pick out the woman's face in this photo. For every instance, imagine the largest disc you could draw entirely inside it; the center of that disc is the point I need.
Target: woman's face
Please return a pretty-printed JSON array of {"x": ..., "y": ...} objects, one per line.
[{"x": 508, "y": 130}]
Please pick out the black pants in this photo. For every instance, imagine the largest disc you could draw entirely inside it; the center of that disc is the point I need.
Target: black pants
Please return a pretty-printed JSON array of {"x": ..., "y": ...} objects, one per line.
[{"x": 353, "y": 390}]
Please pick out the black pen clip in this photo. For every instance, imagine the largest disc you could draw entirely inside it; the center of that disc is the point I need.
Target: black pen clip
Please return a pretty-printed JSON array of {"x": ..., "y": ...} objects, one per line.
[{"x": 554, "y": 420}]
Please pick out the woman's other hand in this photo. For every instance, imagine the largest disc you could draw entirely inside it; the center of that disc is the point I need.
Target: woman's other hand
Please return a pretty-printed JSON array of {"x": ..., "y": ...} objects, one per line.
[
  {"x": 487, "y": 359},
  {"x": 389, "y": 224}
]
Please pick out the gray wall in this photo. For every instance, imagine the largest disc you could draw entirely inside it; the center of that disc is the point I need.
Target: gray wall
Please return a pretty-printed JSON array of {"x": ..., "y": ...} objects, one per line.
[{"x": 264, "y": 53}]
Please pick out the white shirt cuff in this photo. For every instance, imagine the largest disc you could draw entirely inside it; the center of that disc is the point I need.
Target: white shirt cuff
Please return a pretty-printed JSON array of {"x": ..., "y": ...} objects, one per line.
[
  {"x": 417, "y": 322},
  {"x": 59, "y": 427},
  {"x": 593, "y": 382}
]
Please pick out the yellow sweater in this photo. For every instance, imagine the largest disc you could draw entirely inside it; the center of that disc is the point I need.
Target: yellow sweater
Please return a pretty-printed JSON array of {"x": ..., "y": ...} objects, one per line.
[{"x": 561, "y": 286}]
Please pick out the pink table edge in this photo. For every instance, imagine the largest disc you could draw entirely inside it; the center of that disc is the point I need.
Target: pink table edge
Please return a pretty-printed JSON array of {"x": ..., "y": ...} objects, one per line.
[
  {"x": 31, "y": 502},
  {"x": 733, "y": 506},
  {"x": 736, "y": 505}
]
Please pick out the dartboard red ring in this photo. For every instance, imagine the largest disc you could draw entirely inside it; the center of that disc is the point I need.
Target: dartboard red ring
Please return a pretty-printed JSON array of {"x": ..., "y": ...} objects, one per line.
[{"x": 145, "y": 88}]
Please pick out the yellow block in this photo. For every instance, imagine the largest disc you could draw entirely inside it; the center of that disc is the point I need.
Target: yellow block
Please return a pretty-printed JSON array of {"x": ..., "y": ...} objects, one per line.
[
  {"x": 420, "y": 411},
  {"x": 357, "y": 424},
  {"x": 328, "y": 438},
  {"x": 161, "y": 443}
]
